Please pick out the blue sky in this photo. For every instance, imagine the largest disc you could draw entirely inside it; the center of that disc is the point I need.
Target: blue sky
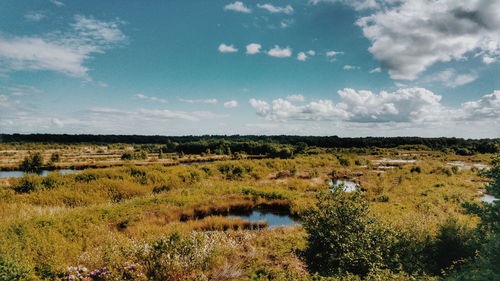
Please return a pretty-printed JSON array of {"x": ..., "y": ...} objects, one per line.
[{"x": 320, "y": 67}]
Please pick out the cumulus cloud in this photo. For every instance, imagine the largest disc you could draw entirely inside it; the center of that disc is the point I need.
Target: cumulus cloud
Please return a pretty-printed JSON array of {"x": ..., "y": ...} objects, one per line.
[
  {"x": 150, "y": 98},
  {"x": 301, "y": 56},
  {"x": 223, "y": 48},
  {"x": 238, "y": 7},
  {"x": 253, "y": 48},
  {"x": 279, "y": 52},
  {"x": 411, "y": 36},
  {"x": 299, "y": 98},
  {"x": 64, "y": 52},
  {"x": 275, "y": 9},
  {"x": 376, "y": 70},
  {"x": 211, "y": 101},
  {"x": 486, "y": 107},
  {"x": 230, "y": 104},
  {"x": 404, "y": 105}
]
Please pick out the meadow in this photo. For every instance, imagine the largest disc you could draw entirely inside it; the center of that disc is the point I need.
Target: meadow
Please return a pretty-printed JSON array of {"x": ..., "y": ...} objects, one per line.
[{"x": 151, "y": 218}]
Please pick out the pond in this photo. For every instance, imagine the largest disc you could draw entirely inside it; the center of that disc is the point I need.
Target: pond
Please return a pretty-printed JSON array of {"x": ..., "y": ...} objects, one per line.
[
  {"x": 273, "y": 218},
  {"x": 488, "y": 198},
  {"x": 348, "y": 186},
  {"x": 18, "y": 174}
]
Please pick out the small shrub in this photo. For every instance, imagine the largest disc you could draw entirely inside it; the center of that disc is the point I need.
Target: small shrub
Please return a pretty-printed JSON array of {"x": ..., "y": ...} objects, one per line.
[
  {"x": 416, "y": 169},
  {"x": 344, "y": 162},
  {"x": 32, "y": 163},
  {"x": 55, "y": 157}
]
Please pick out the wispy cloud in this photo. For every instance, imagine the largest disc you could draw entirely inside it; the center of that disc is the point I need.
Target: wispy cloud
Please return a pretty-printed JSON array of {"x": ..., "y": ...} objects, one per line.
[
  {"x": 230, "y": 104},
  {"x": 64, "y": 52},
  {"x": 150, "y": 98},
  {"x": 275, "y": 9},
  {"x": 57, "y": 3},
  {"x": 450, "y": 78},
  {"x": 210, "y": 101},
  {"x": 223, "y": 48},
  {"x": 333, "y": 53},
  {"x": 238, "y": 7},
  {"x": 376, "y": 70},
  {"x": 350, "y": 67},
  {"x": 35, "y": 16},
  {"x": 299, "y": 98}
]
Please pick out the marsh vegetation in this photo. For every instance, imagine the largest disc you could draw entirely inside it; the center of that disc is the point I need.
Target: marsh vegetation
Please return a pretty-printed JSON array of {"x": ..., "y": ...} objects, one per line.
[{"x": 272, "y": 218}]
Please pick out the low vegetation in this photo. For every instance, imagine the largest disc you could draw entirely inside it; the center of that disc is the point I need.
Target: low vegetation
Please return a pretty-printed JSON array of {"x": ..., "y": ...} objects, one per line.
[{"x": 417, "y": 219}]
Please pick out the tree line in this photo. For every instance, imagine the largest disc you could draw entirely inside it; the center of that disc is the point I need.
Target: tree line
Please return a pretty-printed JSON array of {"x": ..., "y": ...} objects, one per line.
[{"x": 254, "y": 144}]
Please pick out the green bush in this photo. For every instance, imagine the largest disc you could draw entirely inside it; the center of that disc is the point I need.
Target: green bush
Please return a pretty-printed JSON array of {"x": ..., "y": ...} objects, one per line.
[
  {"x": 32, "y": 163},
  {"x": 343, "y": 237}
]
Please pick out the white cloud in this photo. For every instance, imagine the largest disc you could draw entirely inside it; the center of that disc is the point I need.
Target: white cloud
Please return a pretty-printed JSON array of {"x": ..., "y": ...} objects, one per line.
[
  {"x": 350, "y": 67},
  {"x": 302, "y": 56},
  {"x": 356, "y": 4},
  {"x": 223, "y": 48},
  {"x": 61, "y": 52},
  {"x": 148, "y": 115},
  {"x": 103, "y": 84},
  {"x": 411, "y": 36},
  {"x": 150, "y": 98},
  {"x": 486, "y": 107},
  {"x": 57, "y": 3},
  {"x": 299, "y": 98},
  {"x": 211, "y": 101},
  {"x": 376, "y": 70},
  {"x": 238, "y": 7},
  {"x": 57, "y": 122},
  {"x": 21, "y": 90},
  {"x": 404, "y": 105},
  {"x": 253, "y": 48},
  {"x": 100, "y": 31},
  {"x": 451, "y": 79},
  {"x": 311, "y": 52},
  {"x": 488, "y": 59},
  {"x": 333, "y": 53},
  {"x": 230, "y": 104},
  {"x": 286, "y": 23},
  {"x": 280, "y": 52},
  {"x": 35, "y": 16},
  {"x": 275, "y": 9}
]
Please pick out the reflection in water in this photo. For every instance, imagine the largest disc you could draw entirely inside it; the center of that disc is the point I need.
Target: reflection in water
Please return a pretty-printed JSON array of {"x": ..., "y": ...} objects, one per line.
[
  {"x": 273, "y": 219},
  {"x": 18, "y": 174},
  {"x": 348, "y": 186},
  {"x": 488, "y": 198}
]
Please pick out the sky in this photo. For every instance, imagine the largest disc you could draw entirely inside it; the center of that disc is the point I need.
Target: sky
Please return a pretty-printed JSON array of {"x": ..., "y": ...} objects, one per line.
[{"x": 353, "y": 68}]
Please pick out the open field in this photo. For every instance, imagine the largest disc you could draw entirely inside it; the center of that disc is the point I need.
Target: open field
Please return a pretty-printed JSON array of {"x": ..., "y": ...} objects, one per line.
[{"x": 173, "y": 223}]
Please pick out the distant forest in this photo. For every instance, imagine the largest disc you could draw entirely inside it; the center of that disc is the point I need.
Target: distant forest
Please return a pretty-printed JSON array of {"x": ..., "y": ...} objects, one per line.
[{"x": 253, "y": 144}]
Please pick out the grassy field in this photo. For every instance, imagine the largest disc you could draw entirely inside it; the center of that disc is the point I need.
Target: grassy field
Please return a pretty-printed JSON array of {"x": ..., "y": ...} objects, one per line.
[{"x": 152, "y": 222}]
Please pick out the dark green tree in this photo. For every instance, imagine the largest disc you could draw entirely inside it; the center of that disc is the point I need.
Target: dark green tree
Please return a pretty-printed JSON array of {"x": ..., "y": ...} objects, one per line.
[{"x": 32, "y": 163}]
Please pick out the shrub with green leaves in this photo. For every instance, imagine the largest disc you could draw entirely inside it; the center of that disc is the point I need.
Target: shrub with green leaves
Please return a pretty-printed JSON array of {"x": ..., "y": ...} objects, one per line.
[
  {"x": 343, "y": 237},
  {"x": 32, "y": 163}
]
